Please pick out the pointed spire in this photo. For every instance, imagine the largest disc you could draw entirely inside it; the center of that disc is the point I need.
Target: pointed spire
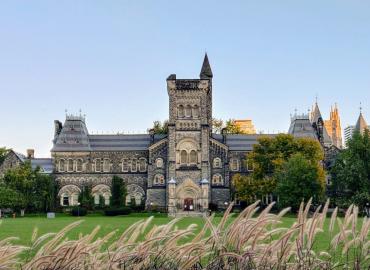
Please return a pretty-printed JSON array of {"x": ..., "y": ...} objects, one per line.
[
  {"x": 361, "y": 124},
  {"x": 316, "y": 114},
  {"x": 206, "y": 72}
]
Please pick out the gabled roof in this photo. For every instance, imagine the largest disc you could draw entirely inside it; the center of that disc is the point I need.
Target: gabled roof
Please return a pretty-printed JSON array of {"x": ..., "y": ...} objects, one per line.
[
  {"x": 240, "y": 142},
  {"x": 206, "y": 71},
  {"x": 361, "y": 124}
]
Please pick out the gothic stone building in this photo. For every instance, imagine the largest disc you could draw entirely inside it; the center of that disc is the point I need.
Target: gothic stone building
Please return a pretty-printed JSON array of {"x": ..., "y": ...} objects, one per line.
[{"x": 186, "y": 169}]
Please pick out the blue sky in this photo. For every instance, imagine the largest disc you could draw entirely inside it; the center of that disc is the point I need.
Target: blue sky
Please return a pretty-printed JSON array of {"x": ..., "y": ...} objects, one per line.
[{"x": 111, "y": 60}]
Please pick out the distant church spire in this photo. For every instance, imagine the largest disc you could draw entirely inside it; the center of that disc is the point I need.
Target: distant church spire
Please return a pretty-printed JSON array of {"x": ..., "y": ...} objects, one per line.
[
  {"x": 206, "y": 72},
  {"x": 361, "y": 124}
]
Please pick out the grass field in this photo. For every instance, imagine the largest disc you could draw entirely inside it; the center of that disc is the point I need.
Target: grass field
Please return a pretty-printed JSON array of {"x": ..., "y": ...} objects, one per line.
[{"x": 23, "y": 227}]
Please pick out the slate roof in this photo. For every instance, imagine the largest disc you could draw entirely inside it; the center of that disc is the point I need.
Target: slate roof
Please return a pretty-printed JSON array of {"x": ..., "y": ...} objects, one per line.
[
  {"x": 361, "y": 124},
  {"x": 301, "y": 127},
  {"x": 240, "y": 142},
  {"x": 206, "y": 71},
  {"x": 46, "y": 164},
  {"x": 74, "y": 137}
]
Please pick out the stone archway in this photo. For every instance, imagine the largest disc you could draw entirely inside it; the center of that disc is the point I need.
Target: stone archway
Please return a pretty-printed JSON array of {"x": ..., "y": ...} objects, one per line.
[
  {"x": 188, "y": 196},
  {"x": 69, "y": 195},
  {"x": 103, "y": 191},
  {"x": 135, "y": 193}
]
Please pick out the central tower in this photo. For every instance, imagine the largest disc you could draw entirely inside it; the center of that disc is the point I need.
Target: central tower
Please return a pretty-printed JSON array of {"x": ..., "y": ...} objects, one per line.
[{"x": 189, "y": 129}]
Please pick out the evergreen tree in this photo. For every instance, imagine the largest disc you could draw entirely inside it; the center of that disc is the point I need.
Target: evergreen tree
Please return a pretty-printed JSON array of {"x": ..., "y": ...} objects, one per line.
[
  {"x": 118, "y": 192},
  {"x": 85, "y": 198}
]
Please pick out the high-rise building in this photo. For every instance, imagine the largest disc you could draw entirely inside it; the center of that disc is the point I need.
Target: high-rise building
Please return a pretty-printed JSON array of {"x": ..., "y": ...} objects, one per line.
[
  {"x": 348, "y": 132},
  {"x": 246, "y": 126},
  {"x": 334, "y": 128}
]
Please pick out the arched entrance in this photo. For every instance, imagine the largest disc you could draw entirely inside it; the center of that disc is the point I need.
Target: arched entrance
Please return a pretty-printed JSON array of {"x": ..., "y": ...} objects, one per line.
[{"x": 188, "y": 196}]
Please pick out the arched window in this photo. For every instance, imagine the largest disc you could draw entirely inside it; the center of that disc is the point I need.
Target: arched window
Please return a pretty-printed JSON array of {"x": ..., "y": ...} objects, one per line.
[
  {"x": 234, "y": 164},
  {"x": 217, "y": 163},
  {"x": 217, "y": 180},
  {"x": 70, "y": 165},
  {"x": 142, "y": 165},
  {"x": 61, "y": 165},
  {"x": 79, "y": 165},
  {"x": 158, "y": 180},
  {"x": 134, "y": 165},
  {"x": 193, "y": 157},
  {"x": 196, "y": 111},
  {"x": 188, "y": 111},
  {"x": 180, "y": 111},
  {"x": 159, "y": 163},
  {"x": 97, "y": 165},
  {"x": 183, "y": 157},
  {"x": 106, "y": 165},
  {"x": 125, "y": 165}
]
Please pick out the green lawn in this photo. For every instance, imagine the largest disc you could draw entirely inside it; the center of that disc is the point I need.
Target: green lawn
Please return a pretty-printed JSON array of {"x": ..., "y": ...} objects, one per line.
[{"x": 23, "y": 227}]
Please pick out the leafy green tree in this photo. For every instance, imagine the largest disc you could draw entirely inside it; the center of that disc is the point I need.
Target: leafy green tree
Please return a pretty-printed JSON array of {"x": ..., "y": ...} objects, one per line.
[
  {"x": 268, "y": 159},
  {"x": 217, "y": 125},
  {"x": 119, "y": 192},
  {"x": 37, "y": 189},
  {"x": 351, "y": 172},
  {"x": 232, "y": 128},
  {"x": 10, "y": 198},
  {"x": 159, "y": 127},
  {"x": 299, "y": 180}
]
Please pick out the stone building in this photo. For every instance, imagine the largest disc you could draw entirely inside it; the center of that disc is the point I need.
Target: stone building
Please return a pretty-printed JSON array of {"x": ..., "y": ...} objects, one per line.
[
  {"x": 14, "y": 159},
  {"x": 186, "y": 169},
  {"x": 334, "y": 128},
  {"x": 246, "y": 126}
]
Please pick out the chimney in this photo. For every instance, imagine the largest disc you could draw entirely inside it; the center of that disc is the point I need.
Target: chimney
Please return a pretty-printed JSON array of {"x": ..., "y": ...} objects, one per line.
[{"x": 30, "y": 153}]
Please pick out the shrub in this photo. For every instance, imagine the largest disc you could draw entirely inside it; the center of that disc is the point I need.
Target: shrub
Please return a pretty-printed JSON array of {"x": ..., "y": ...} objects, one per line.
[
  {"x": 117, "y": 211},
  {"x": 213, "y": 207},
  {"x": 79, "y": 211}
]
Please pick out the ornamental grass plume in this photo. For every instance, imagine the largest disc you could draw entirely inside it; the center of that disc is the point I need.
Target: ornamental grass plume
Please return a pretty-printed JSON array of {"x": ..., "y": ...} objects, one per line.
[{"x": 254, "y": 239}]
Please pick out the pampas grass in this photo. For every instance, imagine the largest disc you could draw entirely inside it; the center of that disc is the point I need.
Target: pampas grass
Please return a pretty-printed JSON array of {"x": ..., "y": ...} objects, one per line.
[{"x": 247, "y": 241}]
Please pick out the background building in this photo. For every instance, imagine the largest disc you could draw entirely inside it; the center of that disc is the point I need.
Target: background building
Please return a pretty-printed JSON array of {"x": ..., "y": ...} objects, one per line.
[
  {"x": 334, "y": 128},
  {"x": 246, "y": 126},
  {"x": 360, "y": 126}
]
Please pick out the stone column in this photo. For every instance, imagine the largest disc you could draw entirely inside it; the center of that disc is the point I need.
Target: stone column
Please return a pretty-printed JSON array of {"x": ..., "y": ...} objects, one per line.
[
  {"x": 172, "y": 197},
  {"x": 205, "y": 192}
]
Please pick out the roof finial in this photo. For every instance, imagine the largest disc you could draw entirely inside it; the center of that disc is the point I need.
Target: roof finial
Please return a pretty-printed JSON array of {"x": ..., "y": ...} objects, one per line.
[
  {"x": 360, "y": 107},
  {"x": 66, "y": 112},
  {"x": 316, "y": 98}
]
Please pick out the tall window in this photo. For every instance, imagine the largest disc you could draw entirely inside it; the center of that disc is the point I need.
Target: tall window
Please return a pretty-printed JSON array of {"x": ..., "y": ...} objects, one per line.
[
  {"x": 70, "y": 165},
  {"x": 158, "y": 179},
  {"x": 217, "y": 163},
  {"x": 250, "y": 165},
  {"x": 234, "y": 164},
  {"x": 61, "y": 165},
  {"x": 188, "y": 111},
  {"x": 180, "y": 111},
  {"x": 196, "y": 111},
  {"x": 217, "y": 180},
  {"x": 142, "y": 165},
  {"x": 159, "y": 163},
  {"x": 193, "y": 157},
  {"x": 97, "y": 165},
  {"x": 183, "y": 157},
  {"x": 79, "y": 165},
  {"x": 134, "y": 165},
  {"x": 125, "y": 165},
  {"x": 106, "y": 165}
]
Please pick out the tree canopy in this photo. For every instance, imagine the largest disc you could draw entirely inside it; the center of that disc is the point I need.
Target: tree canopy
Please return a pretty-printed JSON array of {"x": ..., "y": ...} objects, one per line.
[
  {"x": 36, "y": 188},
  {"x": 351, "y": 172},
  {"x": 160, "y": 127},
  {"x": 119, "y": 192},
  {"x": 3, "y": 152},
  {"x": 271, "y": 160}
]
